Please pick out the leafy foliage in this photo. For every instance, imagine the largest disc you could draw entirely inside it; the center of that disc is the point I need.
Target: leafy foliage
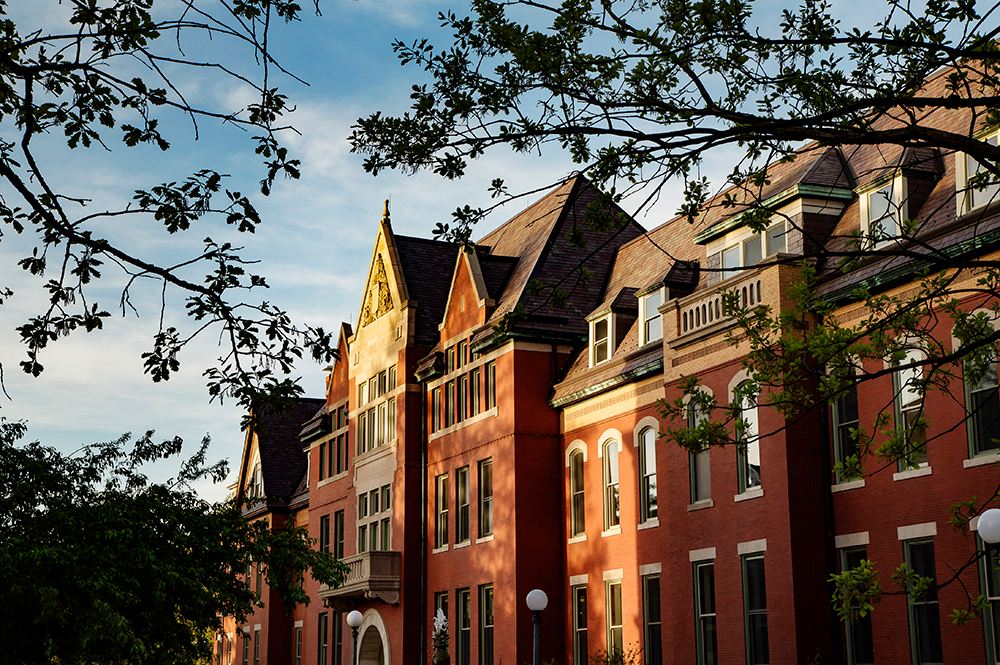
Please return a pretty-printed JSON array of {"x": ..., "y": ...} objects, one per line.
[
  {"x": 76, "y": 81},
  {"x": 103, "y": 566}
]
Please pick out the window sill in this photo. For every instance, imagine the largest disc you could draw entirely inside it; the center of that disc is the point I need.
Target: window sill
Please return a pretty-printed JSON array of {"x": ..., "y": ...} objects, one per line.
[
  {"x": 331, "y": 479},
  {"x": 749, "y": 494},
  {"x": 648, "y": 524},
  {"x": 982, "y": 460},
  {"x": 613, "y": 531},
  {"x": 577, "y": 539},
  {"x": 701, "y": 505},
  {"x": 485, "y": 539},
  {"x": 850, "y": 485},
  {"x": 912, "y": 473},
  {"x": 438, "y": 550},
  {"x": 464, "y": 543}
]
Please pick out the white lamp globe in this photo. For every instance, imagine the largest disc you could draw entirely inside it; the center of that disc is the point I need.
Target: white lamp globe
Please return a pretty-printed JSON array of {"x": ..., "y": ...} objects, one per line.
[
  {"x": 537, "y": 600},
  {"x": 354, "y": 618},
  {"x": 989, "y": 526}
]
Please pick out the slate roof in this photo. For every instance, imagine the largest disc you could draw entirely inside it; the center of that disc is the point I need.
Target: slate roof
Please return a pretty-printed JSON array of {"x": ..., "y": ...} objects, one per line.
[
  {"x": 537, "y": 239},
  {"x": 427, "y": 268},
  {"x": 282, "y": 459}
]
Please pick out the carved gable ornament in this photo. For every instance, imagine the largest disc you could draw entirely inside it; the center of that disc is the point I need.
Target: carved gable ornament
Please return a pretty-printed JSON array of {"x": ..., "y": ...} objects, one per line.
[{"x": 378, "y": 300}]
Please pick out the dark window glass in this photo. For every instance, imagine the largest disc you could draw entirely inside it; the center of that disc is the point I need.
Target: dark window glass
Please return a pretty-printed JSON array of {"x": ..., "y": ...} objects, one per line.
[
  {"x": 651, "y": 605},
  {"x": 755, "y": 610}
]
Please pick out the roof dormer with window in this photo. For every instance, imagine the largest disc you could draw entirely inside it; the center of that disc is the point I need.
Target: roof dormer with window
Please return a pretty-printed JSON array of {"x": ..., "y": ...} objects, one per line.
[{"x": 983, "y": 189}]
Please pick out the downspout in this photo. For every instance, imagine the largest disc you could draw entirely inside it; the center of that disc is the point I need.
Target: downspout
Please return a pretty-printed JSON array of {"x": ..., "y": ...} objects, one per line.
[
  {"x": 832, "y": 564},
  {"x": 423, "y": 519}
]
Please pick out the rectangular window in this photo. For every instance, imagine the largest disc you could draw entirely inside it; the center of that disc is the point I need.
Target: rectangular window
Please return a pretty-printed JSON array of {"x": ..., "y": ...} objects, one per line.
[
  {"x": 755, "y": 610},
  {"x": 776, "y": 239},
  {"x": 298, "y": 645},
  {"x": 361, "y": 393},
  {"x": 652, "y": 322},
  {"x": 383, "y": 382},
  {"x": 441, "y": 508},
  {"x": 260, "y": 578},
  {"x": 322, "y": 461},
  {"x": 616, "y": 644},
  {"x": 748, "y": 449},
  {"x": 599, "y": 341},
  {"x": 373, "y": 388},
  {"x": 909, "y": 405},
  {"x": 752, "y": 251},
  {"x": 647, "y": 473},
  {"x": 256, "y": 647},
  {"x": 382, "y": 417},
  {"x": 450, "y": 360},
  {"x": 704, "y": 613},
  {"x": 578, "y": 597},
  {"x": 577, "y": 521},
  {"x": 338, "y": 534},
  {"x": 699, "y": 467},
  {"x": 858, "y": 634},
  {"x": 246, "y": 649},
  {"x": 362, "y": 539},
  {"x": 491, "y": 385},
  {"x": 362, "y": 434},
  {"x": 390, "y": 423},
  {"x": 337, "y": 625},
  {"x": 486, "y": 624},
  {"x": 612, "y": 509},
  {"x": 651, "y": 619},
  {"x": 373, "y": 536},
  {"x": 386, "y": 534},
  {"x": 449, "y": 404},
  {"x": 989, "y": 586},
  {"x": 373, "y": 433},
  {"x": 984, "y": 190},
  {"x": 322, "y": 636},
  {"x": 474, "y": 387},
  {"x": 883, "y": 215},
  {"x": 984, "y": 413},
  {"x": 324, "y": 533},
  {"x": 464, "y": 627},
  {"x": 730, "y": 262},
  {"x": 461, "y": 355},
  {"x": 845, "y": 419},
  {"x": 925, "y": 622},
  {"x": 341, "y": 452},
  {"x": 463, "y": 397},
  {"x": 462, "y": 500},
  {"x": 441, "y": 603},
  {"x": 485, "y": 497},
  {"x": 435, "y": 409}
]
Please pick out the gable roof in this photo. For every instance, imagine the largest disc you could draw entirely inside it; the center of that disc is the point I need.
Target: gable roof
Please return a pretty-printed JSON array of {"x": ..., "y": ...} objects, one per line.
[
  {"x": 282, "y": 459},
  {"x": 427, "y": 269}
]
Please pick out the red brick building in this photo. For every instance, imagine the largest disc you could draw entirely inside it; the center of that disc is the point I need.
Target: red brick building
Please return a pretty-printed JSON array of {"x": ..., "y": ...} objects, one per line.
[{"x": 463, "y": 458}]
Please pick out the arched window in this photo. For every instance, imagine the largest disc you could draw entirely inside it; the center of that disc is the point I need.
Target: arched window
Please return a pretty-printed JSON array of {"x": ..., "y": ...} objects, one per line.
[
  {"x": 748, "y": 455},
  {"x": 612, "y": 515},
  {"x": 698, "y": 464},
  {"x": 647, "y": 471},
  {"x": 577, "y": 523}
]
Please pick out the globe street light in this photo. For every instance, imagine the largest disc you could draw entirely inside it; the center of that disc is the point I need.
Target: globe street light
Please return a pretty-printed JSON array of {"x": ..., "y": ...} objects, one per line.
[
  {"x": 988, "y": 526},
  {"x": 354, "y": 619},
  {"x": 537, "y": 601}
]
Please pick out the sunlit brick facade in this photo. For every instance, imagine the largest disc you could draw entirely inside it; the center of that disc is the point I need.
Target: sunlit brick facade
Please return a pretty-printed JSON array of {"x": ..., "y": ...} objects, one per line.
[{"x": 458, "y": 465}]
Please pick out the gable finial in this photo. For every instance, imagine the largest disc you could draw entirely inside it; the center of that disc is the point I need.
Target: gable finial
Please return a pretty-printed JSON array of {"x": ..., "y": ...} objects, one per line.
[{"x": 385, "y": 213}]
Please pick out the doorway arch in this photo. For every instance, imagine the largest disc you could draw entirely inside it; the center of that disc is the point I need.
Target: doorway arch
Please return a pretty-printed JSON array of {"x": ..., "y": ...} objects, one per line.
[{"x": 373, "y": 640}]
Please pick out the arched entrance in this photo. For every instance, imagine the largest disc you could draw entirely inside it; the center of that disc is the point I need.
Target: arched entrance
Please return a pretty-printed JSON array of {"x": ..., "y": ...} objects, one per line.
[{"x": 373, "y": 640}]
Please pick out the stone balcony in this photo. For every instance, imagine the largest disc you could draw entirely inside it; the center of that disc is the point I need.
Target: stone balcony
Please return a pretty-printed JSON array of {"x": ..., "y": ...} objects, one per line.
[
  {"x": 371, "y": 576},
  {"x": 703, "y": 313}
]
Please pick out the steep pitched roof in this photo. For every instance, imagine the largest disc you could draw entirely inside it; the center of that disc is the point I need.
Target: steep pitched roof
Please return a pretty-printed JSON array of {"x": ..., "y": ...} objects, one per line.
[
  {"x": 538, "y": 240},
  {"x": 427, "y": 268},
  {"x": 282, "y": 459}
]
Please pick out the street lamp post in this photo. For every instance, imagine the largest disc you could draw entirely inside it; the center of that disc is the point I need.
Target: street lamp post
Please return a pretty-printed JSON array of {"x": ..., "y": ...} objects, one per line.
[
  {"x": 537, "y": 601},
  {"x": 354, "y": 619}
]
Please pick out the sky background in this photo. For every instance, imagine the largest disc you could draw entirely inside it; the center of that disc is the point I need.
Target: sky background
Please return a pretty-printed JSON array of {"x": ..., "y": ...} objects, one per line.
[{"x": 314, "y": 246}]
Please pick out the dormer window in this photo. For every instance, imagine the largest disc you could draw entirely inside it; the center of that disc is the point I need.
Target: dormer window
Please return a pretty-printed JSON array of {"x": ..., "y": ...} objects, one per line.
[
  {"x": 652, "y": 322},
  {"x": 882, "y": 212},
  {"x": 753, "y": 250},
  {"x": 977, "y": 195},
  {"x": 599, "y": 337}
]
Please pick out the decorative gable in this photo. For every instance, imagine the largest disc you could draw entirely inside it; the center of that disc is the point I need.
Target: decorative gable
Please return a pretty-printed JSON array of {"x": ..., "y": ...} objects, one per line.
[{"x": 378, "y": 298}]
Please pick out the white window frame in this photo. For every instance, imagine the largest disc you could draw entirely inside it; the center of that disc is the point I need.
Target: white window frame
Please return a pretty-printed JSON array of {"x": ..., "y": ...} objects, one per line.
[
  {"x": 913, "y": 354},
  {"x": 898, "y": 213},
  {"x": 741, "y": 246},
  {"x": 608, "y": 340},
  {"x": 612, "y": 483},
  {"x": 963, "y": 196},
  {"x": 645, "y": 316}
]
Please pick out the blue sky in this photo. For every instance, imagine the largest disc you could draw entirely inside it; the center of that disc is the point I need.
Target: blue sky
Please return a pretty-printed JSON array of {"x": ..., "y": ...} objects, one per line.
[{"x": 314, "y": 246}]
